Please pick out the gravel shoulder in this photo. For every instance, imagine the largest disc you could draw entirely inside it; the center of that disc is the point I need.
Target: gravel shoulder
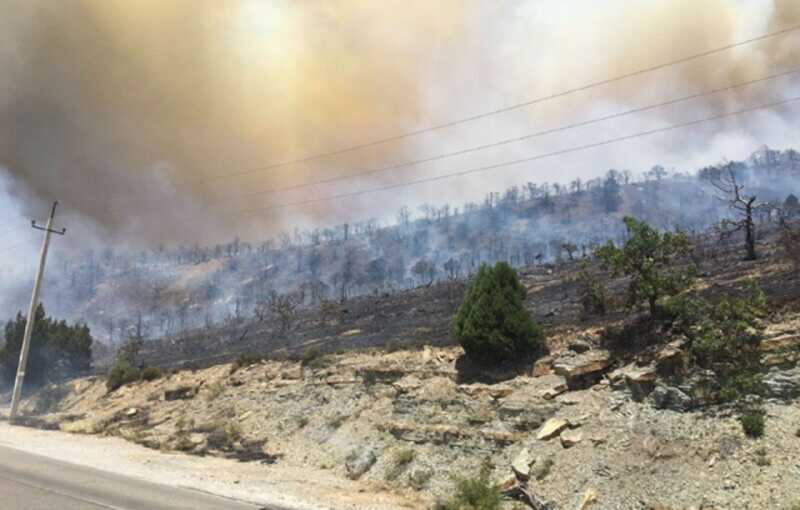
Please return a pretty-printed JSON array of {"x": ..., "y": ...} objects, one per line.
[{"x": 282, "y": 487}]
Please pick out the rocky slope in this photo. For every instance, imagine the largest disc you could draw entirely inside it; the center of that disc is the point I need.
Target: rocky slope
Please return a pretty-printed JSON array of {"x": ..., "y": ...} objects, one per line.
[{"x": 407, "y": 422}]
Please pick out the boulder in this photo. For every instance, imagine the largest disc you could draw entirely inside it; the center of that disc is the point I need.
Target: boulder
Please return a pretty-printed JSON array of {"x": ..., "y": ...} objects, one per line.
[
  {"x": 582, "y": 370},
  {"x": 552, "y": 428},
  {"x": 359, "y": 462}
]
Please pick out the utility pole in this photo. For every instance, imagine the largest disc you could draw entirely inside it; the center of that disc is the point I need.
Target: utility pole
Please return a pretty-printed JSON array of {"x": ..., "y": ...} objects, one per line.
[{"x": 26, "y": 341}]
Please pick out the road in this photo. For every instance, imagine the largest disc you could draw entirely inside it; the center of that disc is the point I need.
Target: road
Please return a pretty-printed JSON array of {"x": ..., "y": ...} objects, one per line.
[{"x": 33, "y": 482}]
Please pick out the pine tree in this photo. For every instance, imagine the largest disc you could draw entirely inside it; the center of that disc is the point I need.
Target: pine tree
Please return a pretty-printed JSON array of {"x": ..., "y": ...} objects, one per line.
[
  {"x": 57, "y": 350},
  {"x": 492, "y": 323}
]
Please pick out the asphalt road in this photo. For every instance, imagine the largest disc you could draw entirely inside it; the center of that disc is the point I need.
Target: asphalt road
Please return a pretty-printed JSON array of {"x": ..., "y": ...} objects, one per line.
[{"x": 33, "y": 482}]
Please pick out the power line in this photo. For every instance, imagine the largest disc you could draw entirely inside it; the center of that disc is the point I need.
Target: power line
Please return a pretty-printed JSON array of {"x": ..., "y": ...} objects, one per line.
[
  {"x": 517, "y": 106},
  {"x": 525, "y": 160},
  {"x": 507, "y": 141}
]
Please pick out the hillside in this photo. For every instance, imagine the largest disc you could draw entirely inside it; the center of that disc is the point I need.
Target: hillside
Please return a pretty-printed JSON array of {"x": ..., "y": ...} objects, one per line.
[
  {"x": 174, "y": 291},
  {"x": 607, "y": 416}
]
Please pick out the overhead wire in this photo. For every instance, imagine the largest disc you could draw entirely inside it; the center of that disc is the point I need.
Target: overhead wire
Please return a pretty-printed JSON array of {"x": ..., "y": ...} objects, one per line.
[
  {"x": 486, "y": 168},
  {"x": 497, "y": 111},
  {"x": 507, "y": 141}
]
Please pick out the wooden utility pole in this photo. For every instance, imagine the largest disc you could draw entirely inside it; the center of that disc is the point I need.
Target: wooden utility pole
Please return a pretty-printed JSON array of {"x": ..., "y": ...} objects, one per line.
[{"x": 26, "y": 341}]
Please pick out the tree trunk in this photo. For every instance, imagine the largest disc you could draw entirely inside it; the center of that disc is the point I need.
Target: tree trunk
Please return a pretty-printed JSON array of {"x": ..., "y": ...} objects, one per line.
[{"x": 750, "y": 233}]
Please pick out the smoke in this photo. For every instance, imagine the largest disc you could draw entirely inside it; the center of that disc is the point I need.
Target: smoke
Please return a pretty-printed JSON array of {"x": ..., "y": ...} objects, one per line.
[{"x": 124, "y": 110}]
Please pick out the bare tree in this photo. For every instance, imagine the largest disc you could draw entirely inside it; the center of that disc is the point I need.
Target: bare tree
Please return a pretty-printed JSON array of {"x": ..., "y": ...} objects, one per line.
[
  {"x": 732, "y": 192},
  {"x": 282, "y": 307}
]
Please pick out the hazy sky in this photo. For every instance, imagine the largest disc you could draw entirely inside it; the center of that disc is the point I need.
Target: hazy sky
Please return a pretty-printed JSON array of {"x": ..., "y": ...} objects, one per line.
[{"x": 124, "y": 110}]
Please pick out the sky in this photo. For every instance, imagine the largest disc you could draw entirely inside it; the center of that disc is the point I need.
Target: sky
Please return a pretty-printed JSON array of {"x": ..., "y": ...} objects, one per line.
[{"x": 149, "y": 120}]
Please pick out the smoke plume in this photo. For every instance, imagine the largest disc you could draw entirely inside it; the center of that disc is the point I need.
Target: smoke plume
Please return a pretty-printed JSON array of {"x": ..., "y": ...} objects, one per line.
[{"x": 125, "y": 110}]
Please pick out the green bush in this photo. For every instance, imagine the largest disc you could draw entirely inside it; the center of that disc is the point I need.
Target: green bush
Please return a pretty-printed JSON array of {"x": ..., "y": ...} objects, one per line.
[
  {"x": 121, "y": 374},
  {"x": 474, "y": 494},
  {"x": 151, "y": 373},
  {"x": 593, "y": 294},
  {"x": 753, "y": 423},
  {"x": 648, "y": 258},
  {"x": 245, "y": 360},
  {"x": 726, "y": 338},
  {"x": 492, "y": 324},
  {"x": 313, "y": 358}
]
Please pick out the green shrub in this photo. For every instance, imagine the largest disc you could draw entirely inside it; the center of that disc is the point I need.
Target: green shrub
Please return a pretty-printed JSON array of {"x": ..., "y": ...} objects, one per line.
[
  {"x": 474, "y": 494},
  {"x": 492, "y": 324},
  {"x": 313, "y": 358},
  {"x": 726, "y": 338},
  {"x": 121, "y": 374},
  {"x": 245, "y": 360},
  {"x": 648, "y": 258},
  {"x": 593, "y": 294},
  {"x": 151, "y": 373},
  {"x": 753, "y": 423}
]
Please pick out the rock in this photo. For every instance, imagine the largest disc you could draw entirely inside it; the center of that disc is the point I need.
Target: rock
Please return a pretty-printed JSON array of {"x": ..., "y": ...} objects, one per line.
[
  {"x": 582, "y": 370},
  {"x": 495, "y": 391},
  {"x": 359, "y": 462},
  {"x": 671, "y": 359},
  {"x": 570, "y": 438},
  {"x": 543, "y": 366},
  {"x": 579, "y": 345},
  {"x": 555, "y": 390},
  {"x": 407, "y": 384},
  {"x": 525, "y": 411},
  {"x": 131, "y": 411},
  {"x": 180, "y": 393},
  {"x": 670, "y": 397},
  {"x": 552, "y": 428},
  {"x": 783, "y": 384},
  {"x": 640, "y": 381},
  {"x": 702, "y": 387},
  {"x": 521, "y": 465}
]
